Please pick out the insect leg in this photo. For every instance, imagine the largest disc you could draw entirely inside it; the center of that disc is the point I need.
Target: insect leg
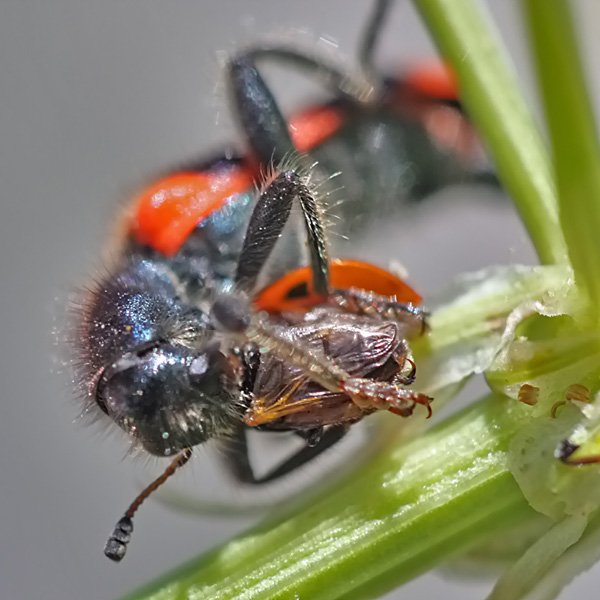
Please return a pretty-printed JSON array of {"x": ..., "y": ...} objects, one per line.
[
  {"x": 370, "y": 36},
  {"x": 270, "y": 139},
  {"x": 363, "y": 302},
  {"x": 270, "y": 215},
  {"x": 378, "y": 395},
  {"x": 238, "y": 460},
  {"x": 258, "y": 113},
  {"x": 256, "y": 108}
]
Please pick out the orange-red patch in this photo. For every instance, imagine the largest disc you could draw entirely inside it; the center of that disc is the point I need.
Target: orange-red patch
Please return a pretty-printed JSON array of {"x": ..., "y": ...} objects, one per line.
[
  {"x": 313, "y": 126},
  {"x": 168, "y": 210},
  {"x": 433, "y": 79},
  {"x": 344, "y": 274}
]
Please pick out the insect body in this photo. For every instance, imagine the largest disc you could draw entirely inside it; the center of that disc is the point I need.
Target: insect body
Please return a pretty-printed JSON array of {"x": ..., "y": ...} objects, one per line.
[
  {"x": 412, "y": 140},
  {"x": 182, "y": 342}
]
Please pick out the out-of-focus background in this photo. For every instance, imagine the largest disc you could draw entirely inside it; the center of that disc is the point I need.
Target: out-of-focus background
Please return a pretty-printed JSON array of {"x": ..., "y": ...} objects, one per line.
[{"x": 95, "y": 97}]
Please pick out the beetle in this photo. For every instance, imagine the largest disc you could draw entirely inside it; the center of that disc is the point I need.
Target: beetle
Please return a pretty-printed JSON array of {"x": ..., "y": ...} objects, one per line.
[{"x": 201, "y": 331}]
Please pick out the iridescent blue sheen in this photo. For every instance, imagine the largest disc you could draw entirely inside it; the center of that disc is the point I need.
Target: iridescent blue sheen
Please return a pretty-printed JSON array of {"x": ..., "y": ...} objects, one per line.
[{"x": 231, "y": 218}]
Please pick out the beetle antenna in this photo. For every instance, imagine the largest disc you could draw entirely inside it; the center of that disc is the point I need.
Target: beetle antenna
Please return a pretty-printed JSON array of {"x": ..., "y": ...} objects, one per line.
[{"x": 116, "y": 546}]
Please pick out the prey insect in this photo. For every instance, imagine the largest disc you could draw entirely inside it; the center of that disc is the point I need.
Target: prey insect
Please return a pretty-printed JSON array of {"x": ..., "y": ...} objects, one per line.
[{"x": 183, "y": 342}]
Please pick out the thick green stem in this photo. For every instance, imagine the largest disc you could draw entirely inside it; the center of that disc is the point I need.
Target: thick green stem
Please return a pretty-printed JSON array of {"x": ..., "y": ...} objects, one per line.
[
  {"x": 572, "y": 129},
  {"x": 399, "y": 516},
  {"x": 491, "y": 94}
]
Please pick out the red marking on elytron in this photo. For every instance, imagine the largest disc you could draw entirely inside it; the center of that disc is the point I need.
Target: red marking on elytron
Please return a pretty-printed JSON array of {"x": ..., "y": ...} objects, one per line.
[
  {"x": 446, "y": 125},
  {"x": 451, "y": 130},
  {"x": 344, "y": 274},
  {"x": 168, "y": 210},
  {"x": 433, "y": 79},
  {"x": 313, "y": 126}
]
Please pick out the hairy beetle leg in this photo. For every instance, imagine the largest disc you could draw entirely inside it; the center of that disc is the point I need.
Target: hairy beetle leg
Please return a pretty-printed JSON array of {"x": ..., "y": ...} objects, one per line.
[
  {"x": 363, "y": 302},
  {"x": 379, "y": 395}
]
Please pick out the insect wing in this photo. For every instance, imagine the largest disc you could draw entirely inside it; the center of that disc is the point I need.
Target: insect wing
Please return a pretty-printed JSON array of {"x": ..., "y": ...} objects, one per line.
[{"x": 362, "y": 349}]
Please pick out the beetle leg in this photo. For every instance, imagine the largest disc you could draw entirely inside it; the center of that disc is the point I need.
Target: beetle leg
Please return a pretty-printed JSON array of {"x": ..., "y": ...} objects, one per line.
[
  {"x": 268, "y": 219},
  {"x": 257, "y": 111},
  {"x": 370, "y": 36},
  {"x": 372, "y": 395},
  {"x": 268, "y": 134},
  {"x": 354, "y": 86},
  {"x": 237, "y": 457},
  {"x": 267, "y": 131},
  {"x": 363, "y": 302},
  {"x": 256, "y": 108}
]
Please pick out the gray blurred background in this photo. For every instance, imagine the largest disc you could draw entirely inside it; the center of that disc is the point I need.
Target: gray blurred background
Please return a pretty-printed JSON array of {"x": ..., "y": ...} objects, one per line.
[{"x": 95, "y": 96}]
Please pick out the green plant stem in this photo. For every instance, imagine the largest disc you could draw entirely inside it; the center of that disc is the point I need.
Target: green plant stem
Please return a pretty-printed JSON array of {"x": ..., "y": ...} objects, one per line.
[
  {"x": 399, "y": 516},
  {"x": 572, "y": 129},
  {"x": 491, "y": 95}
]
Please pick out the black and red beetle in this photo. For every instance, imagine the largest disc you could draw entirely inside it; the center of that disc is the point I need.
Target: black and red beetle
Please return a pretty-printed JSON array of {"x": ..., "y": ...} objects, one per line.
[{"x": 207, "y": 324}]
